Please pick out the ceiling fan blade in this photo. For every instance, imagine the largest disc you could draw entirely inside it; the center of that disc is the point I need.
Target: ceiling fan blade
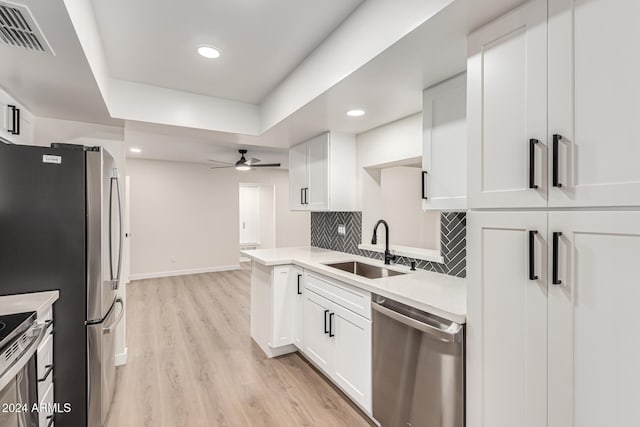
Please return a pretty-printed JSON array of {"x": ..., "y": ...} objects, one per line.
[
  {"x": 252, "y": 161},
  {"x": 220, "y": 161},
  {"x": 267, "y": 165},
  {"x": 223, "y": 167}
]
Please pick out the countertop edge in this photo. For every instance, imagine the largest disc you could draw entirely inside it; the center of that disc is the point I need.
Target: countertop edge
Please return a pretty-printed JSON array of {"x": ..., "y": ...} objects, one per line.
[
  {"x": 35, "y": 301},
  {"x": 361, "y": 284}
]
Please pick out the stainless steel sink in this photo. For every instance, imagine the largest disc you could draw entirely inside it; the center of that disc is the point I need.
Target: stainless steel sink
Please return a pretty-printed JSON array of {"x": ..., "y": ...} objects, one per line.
[{"x": 365, "y": 270}]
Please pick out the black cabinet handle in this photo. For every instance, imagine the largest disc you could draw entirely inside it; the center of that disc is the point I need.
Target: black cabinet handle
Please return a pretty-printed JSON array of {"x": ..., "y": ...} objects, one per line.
[
  {"x": 532, "y": 236},
  {"x": 306, "y": 196},
  {"x": 532, "y": 163},
  {"x": 331, "y": 334},
  {"x": 556, "y": 179},
  {"x": 424, "y": 185},
  {"x": 554, "y": 267},
  {"x": 46, "y": 373},
  {"x": 299, "y": 276},
  {"x": 51, "y": 418},
  {"x": 326, "y": 331},
  {"x": 16, "y": 121},
  {"x": 13, "y": 118},
  {"x": 302, "y": 196}
]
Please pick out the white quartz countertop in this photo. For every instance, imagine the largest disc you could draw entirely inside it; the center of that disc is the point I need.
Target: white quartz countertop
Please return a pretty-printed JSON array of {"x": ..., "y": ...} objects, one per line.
[
  {"x": 22, "y": 303},
  {"x": 439, "y": 294}
]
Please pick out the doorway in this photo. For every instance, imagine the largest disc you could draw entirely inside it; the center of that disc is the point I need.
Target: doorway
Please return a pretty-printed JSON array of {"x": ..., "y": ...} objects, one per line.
[{"x": 257, "y": 219}]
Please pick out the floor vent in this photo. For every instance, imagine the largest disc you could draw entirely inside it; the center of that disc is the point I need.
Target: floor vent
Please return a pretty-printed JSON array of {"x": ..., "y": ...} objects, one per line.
[{"x": 18, "y": 28}]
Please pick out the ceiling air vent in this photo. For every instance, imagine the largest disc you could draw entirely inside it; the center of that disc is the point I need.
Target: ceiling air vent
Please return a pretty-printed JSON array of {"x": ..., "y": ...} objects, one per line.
[{"x": 19, "y": 29}]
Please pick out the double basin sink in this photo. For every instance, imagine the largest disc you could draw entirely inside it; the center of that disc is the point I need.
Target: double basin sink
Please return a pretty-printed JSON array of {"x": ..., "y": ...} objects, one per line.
[{"x": 365, "y": 270}]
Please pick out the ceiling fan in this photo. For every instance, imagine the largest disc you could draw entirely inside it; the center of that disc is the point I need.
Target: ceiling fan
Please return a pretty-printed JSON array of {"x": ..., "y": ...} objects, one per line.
[{"x": 243, "y": 164}]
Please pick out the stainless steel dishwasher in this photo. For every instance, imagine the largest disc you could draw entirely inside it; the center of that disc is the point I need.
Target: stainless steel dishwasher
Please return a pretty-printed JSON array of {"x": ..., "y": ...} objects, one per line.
[{"x": 418, "y": 367}]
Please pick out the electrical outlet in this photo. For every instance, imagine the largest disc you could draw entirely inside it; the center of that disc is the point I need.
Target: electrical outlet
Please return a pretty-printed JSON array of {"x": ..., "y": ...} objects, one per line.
[{"x": 342, "y": 230}]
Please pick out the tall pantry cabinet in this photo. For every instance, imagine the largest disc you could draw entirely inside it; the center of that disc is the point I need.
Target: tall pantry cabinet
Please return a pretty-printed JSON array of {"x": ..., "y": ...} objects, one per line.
[{"x": 554, "y": 221}]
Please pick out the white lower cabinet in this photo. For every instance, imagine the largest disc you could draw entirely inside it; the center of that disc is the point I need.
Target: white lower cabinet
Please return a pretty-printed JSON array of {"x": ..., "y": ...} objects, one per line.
[
  {"x": 45, "y": 372},
  {"x": 594, "y": 349},
  {"x": 273, "y": 299},
  {"x": 506, "y": 320},
  {"x": 551, "y": 319},
  {"x": 338, "y": 341},
  {"x": 328, "y": 321},
  {"x": 318, "y": 345}
]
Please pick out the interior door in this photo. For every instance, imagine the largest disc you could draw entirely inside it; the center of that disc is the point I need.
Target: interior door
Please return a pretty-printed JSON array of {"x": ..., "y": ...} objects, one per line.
[
  {"x": 352, "y": 368},
  {"x": 507, "y": 110},
  {"x": 507, "y": 319},
  {"x": 318, "y": 192},
  {"x": 298, "y": 177},
  {"x": 249, "y": 214},
  {"x": 318, "y": 345},
  {"x": 594, "y": 101},
  {"x": 593, "y": 316}
]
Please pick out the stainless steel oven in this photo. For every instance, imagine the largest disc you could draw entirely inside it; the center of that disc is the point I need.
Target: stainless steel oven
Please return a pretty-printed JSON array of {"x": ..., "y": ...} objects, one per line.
[{"x": 18, "y": 371}]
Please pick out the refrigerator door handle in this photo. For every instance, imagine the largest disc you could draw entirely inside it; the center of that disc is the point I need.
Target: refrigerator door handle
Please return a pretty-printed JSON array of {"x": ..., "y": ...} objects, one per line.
[
  {"x": 115, "y": 276},
  {"x": 110, "y": 329}
]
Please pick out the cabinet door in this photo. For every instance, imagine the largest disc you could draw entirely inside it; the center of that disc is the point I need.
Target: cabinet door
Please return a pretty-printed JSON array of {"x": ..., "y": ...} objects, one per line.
[
  {"x": 594, "y": 101},
  {"x": 507, "y": 108},
  {"x": 444, "y": 156},
  {"x": 352, "y": 367},
  {"x": 593, "y": 316},
  {"x": 296, "y": 276},
  {"x": 283, "y": 299},
  {"x": 297, "y": 177},
  {"x": 318, "y": 155},
  {"x": 318, "y": 345},
  {"x": 507, "y": 319}
]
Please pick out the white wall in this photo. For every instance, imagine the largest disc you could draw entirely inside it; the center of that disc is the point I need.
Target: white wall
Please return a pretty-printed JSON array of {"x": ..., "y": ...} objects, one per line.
[
  {"x": 394, "y": 144},
  {"x": 185, "y": 216},
  {"x": 411, "y": 226}
]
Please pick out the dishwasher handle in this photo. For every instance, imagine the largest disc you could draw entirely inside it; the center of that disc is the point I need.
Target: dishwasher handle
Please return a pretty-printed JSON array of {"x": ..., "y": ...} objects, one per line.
[{"x": 453, "y": 333}]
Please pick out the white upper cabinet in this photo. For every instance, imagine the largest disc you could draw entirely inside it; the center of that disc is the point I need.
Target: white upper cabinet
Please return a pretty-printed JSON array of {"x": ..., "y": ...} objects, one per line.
[
  {"x": 444, "y": 157},
  {"x": 16, "y": 123},
  {"x": 507, "y": 116},
  {"x": 322, "y": 173},
  {"x": 594, "y": 102},
  {"x": 594, "y": 347}
]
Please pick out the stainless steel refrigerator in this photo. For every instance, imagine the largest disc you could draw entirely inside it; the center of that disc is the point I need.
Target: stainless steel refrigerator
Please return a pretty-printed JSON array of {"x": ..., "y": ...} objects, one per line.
[{"x": 61, "y": 228}]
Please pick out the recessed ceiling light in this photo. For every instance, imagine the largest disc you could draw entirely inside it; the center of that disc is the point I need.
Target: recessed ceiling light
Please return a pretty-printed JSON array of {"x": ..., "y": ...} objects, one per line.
[
  {"x": 135, "y": 150},
  {"x": 355, "y": 113},
  {"x": 209, "y": 52}
]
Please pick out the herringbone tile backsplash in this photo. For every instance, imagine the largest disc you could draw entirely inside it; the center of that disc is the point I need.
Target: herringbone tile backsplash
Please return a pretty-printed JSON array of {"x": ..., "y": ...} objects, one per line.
[{"x": 453, "y": 239}]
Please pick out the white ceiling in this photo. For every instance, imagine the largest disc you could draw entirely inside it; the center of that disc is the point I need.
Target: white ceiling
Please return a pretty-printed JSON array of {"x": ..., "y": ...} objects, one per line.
[
  {"x": 154, "y": 41},
  {"x": 60, "y": 86}
]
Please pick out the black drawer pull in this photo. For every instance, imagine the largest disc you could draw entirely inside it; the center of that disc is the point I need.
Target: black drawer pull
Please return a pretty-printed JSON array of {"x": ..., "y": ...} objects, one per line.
[
  {"x": 532, "y": 163},
  {"x": 326, "y": 330},
  {"x": 554, "y": 267},
  {"x": 51, "y": 418},
  {"x": 46, "y": 373},
  {"x": 331, "y": 334},
  {"x": 532, "y": 236},
  {"x": 424, "y": 185},
  {"x": 556, "y": 179},
  {"x": 299, "y": 277}
]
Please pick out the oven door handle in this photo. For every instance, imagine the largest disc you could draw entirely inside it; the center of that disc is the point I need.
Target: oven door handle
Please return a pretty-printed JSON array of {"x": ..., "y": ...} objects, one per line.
[{"x": 7, "y": 376}]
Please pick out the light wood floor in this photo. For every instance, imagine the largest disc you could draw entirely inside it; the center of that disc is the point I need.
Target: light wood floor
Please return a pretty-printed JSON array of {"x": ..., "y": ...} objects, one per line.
[{"x": 192, "y": 363}]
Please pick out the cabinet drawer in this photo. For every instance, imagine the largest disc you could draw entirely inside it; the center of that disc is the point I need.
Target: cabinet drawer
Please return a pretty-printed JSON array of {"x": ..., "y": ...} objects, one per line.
[
  {"x": 44, "y": 360},
  {"x": 349, "y": 297},
  {"x": 45, "y": 413}
]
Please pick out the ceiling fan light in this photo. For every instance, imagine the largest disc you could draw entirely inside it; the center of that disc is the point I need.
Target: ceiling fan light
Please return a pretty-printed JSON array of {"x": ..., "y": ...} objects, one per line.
[{"x": 243, "y": 168}]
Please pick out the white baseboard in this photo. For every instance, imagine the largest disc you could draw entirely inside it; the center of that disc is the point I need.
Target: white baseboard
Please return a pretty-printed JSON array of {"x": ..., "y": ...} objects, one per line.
[
  {"x": 121, "y": 358},
  {"x": 184, "y": 272}
]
